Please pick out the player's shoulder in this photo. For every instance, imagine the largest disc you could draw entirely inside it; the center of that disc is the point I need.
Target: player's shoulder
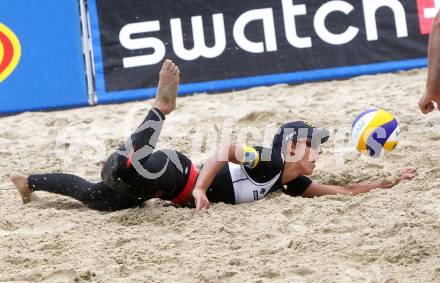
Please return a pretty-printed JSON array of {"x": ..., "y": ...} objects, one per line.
[
  {"x": 269, "y": 155},
  {"x": 269, "y": 164}
]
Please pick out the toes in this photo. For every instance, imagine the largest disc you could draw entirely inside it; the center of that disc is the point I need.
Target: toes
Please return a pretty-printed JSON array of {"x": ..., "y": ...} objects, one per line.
[
  {"x": 166, "y": 65},
  {"x": 13, "y": 175},
  {"x": 15, "y": 178},
  {"x": 170, "y": 65},
  {"x": 175, "y": 69}
]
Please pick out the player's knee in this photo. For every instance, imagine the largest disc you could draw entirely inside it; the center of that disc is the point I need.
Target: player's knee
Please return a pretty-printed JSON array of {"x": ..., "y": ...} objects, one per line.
[{"x": 111, "y": 168}]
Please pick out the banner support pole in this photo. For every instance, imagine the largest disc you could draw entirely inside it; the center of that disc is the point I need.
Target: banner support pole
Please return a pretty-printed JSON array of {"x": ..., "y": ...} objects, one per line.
[{"x": 87, "y": 52}]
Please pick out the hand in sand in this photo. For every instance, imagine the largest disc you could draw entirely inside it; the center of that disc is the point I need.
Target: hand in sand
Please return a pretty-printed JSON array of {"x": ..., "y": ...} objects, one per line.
[
  {"x": 200, "y": 199},
  {"x": 407, "y": 174}
]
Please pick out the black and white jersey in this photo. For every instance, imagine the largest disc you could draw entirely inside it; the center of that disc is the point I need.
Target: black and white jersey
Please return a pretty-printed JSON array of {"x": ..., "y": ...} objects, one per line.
[{"x": 260, "y": 173}]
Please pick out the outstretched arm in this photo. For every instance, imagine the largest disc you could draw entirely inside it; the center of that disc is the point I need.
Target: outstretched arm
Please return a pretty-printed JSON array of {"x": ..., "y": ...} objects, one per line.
[
  {"x": 317, "y": 190},
  {"x": 432, "y": 94},
  {"x": 223, "y": 153}
]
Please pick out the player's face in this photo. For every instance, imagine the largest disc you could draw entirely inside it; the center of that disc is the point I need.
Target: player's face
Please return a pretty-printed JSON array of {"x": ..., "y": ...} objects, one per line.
[{"x": 307, "y": 155}]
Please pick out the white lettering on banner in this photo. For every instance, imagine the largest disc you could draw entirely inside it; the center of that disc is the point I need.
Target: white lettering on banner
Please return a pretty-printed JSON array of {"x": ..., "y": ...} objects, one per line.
[
  {"x": 268, "y": 42},
  {"x": 324, "y": 33},
  {"x": 429, "y": 13},
  {"x": 266, "y": 16},
  {"x": 142, "y": 43},
  {"x": 370, "y": 9},
  {"x": 200, "y": 48},
  {"x": 290, "y": 11}
]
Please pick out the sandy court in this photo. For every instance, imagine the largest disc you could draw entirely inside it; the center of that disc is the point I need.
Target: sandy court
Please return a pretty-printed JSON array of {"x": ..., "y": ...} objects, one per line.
[{"x": 381, "y": 236}]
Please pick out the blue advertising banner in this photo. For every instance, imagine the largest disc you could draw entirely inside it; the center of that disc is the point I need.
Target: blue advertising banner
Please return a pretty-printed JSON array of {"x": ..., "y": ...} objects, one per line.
[
  {"x": 41, "y": 61},
  {"x": 231, "y": 44}
]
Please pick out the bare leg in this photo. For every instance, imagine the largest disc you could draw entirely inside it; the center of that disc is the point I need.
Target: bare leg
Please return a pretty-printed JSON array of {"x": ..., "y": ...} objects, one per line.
[
  {"x": 123, "y": 170},
  {"x": 166, "y": 94},
  {"x": 432, "y": 94},
  {"x": 21, "y": 183},
  {"x": 165, "y": 101}
]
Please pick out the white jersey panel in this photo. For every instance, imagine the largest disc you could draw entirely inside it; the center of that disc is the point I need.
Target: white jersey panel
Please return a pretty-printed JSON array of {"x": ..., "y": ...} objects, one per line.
[{"x": 245, "y": 188}]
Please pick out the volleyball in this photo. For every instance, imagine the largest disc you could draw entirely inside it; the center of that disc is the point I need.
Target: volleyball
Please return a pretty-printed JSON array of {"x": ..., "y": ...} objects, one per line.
[{"x": 375, "y": 131}]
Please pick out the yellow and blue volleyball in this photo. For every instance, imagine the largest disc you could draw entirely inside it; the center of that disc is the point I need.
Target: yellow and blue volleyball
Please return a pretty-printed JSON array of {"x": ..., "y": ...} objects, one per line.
[{"x": 375, "y": 131}]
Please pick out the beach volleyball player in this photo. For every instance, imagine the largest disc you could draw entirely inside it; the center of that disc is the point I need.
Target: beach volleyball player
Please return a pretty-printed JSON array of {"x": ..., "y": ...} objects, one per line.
[
  {"x": 431, "y": 97},
  {"x": 233, "y": 174}
]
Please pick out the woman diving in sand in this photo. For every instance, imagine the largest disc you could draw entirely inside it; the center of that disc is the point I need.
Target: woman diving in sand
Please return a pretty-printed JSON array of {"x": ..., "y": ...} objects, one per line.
[{"x": 136, "y": 172}]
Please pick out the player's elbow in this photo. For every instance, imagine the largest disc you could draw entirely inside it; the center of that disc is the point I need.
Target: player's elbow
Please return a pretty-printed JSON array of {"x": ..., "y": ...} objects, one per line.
[{"x": 226, "y": 152}]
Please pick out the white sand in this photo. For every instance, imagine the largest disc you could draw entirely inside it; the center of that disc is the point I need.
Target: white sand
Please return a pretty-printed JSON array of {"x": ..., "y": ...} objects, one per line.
[{"x": 382, "y": 236}]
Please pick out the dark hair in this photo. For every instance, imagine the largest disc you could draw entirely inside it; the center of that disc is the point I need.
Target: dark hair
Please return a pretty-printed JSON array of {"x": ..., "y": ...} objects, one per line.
[{"x": 293, "y": 131}]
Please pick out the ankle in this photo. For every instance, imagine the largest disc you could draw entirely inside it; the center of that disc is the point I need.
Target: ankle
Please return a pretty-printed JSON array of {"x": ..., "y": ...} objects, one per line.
[{"x": 162, "y": 106}]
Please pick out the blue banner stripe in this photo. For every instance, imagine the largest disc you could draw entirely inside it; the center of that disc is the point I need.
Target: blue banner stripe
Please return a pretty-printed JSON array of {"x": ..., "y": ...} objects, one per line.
[{"x": 247, "y": 82}]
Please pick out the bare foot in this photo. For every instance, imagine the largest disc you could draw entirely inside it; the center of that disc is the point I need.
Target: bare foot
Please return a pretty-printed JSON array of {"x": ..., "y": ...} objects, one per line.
[
  {"x": 21, "y": 183},
  {"x": 166, "y": 94}
]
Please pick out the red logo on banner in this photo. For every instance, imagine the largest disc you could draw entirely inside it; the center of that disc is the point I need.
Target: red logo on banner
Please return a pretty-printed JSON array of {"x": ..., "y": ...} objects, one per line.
[
  {"x": 427, "y": 10},
  {"x": 10, "y": 52}
]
